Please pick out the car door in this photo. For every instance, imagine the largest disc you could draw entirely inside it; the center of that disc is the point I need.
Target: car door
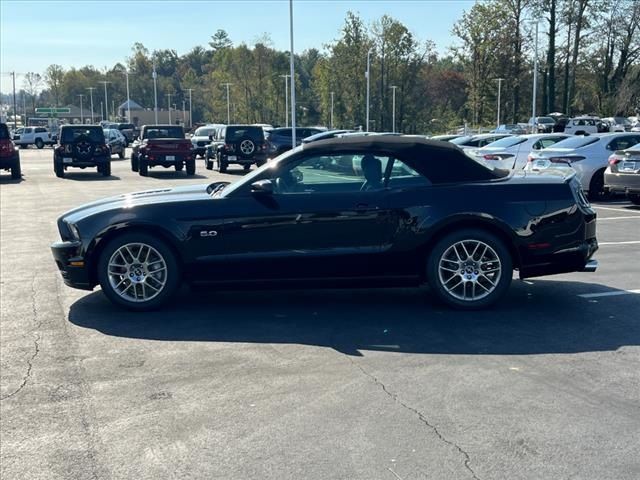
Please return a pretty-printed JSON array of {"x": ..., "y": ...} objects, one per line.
[{"x": 317, "y": 223}]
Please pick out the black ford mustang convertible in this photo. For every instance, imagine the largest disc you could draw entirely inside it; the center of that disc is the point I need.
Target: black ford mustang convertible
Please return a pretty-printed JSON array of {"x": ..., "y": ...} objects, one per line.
[{"x": 375, "y": 210}]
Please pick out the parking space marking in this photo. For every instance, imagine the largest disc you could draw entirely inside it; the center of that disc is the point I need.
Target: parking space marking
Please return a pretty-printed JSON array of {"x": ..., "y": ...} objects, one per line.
[
  {"x": 600, "y": 219},
  {"x": 615, "y": 209},
  {"x": 609, "y": 294},
  {"x": 630, "y": 242}
]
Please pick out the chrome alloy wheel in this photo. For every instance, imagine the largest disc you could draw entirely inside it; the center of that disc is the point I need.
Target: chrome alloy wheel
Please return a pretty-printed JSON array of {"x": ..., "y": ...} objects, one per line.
[
  {"x": 137, "y": 272},
  {"x": 469, "y": 270},
  {"x": 247, "y": 147}
]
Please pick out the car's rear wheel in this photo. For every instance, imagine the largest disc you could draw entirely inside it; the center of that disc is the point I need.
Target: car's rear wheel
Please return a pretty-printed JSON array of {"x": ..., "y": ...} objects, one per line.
[
  {"x": 191, "y": 167},
  {"x": 469, "y": 269},
  {"x": 138, "y": 271},
  {"x": 596, "y": 186},
  {"x": 635, "y": 199},
  {"x": 134, "y": 163},
  {"x": 143, "y": 167},
  {"x": 16, "y": 172},
  {"x": 222, "y": 164},
  {"x": 121, "y": 154},
  {"x": 39, "y": 143},
  {"x": 105, "y": 170},
  {"x": 209, "y": 164},
  {"x": 179, "y": 167},
  {"x": 58, "y": 168},
  {"x": 247, "y": 168}
]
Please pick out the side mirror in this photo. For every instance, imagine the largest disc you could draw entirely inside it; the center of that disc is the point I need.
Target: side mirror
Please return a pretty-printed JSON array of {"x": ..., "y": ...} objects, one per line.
[{"x": 262, "y": 187}]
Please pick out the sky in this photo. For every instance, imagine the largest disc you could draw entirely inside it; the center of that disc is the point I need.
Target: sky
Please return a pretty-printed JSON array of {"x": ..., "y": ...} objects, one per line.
[{"x": 74, "y": 33}]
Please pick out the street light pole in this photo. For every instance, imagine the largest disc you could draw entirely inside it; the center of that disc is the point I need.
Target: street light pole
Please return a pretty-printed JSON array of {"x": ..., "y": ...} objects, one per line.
[
  {"x": 81, "y": 112},
  {"x": 155, "y": 92},
  {"x": 91, "y": 89},
  {"x": 293, "y": 78},
  {"x": 286, "y": 99},
  {"x": 368, "y": 75},
  {"x": 228, "y": 104},
  {"x": 15, "y": 108},
  {"x": 190, "y": 109},
  {"x": 535, "y": 80},
  {"x": 331, "y": 121},
  {"x": 500, "y": 80},
  {"x": 184, "y": 113},
  {"x": 126, "y": 72},
  {"x": 106, "y": 101},
  {"x": 393, "y": 102},
  {"x": 169, "y": 106}
]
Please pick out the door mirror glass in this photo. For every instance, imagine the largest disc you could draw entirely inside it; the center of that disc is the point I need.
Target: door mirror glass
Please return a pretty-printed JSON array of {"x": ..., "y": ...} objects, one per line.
[{"x": 262, "y": 187}]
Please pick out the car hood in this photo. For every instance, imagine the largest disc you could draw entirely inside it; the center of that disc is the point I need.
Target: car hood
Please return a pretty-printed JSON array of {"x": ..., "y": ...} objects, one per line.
[
  {"x": 197, "y": 138},
  {"x": 133, "y": 200}
]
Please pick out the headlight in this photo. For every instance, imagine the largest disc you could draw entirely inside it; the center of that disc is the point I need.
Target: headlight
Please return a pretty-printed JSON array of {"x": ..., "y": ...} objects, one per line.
[{"x": 75, "y": 233}]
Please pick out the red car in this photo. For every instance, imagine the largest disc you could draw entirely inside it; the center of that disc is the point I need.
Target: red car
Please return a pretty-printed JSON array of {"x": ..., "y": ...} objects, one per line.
[
  {"x": 163, "y": 146},
  {"x": 9, "y": 156}
]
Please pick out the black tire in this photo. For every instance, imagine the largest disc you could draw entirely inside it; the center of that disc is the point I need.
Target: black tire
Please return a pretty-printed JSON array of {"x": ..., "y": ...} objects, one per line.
[
  {"x": 179, "y": 167},
  {"x": 249, "y": 143},
  {"x": 106, "y": 169},
  {"x": 39, "y": 144},
  {"x": 172, "y": 279},
  {"x": 143, "y": 167},
  {"x": 58, "y": 168},
  {"x": 23, "y": 146},
  {"x": 134, "y": 163},
  {"x": 635, "y": 199},
  {"x": 16, "y": 172},
  {"x": 596, "y": 186},
  {"x": 497, "y": 253},
  {"x": 191, "y": 167},
  {"x": 222, "y": 164},
  {"x": 121, "y": 154},
  {"x": 247, "y": 167},
  {"x": 209, "y": 164}
]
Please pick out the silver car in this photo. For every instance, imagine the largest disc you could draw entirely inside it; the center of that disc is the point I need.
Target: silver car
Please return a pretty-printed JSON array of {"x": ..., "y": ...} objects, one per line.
[
  {"x": 623, "y": 173},
  {"x": 479, "y": 140},
  {"x": 511, "y": 153},
  {"x": 587, "y": 155}
]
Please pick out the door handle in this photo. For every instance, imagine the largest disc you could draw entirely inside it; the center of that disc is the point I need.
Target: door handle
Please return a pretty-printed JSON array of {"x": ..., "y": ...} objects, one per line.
[{"x": 365, "y": 207}]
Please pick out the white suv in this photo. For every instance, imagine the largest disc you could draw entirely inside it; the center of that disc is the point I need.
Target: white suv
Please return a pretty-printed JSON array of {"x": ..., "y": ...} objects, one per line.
[{"x": 582, "y": 125}]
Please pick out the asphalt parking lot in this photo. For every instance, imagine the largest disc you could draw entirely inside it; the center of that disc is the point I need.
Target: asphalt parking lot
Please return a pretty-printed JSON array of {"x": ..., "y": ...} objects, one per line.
[{"x": 319, "y": 384}]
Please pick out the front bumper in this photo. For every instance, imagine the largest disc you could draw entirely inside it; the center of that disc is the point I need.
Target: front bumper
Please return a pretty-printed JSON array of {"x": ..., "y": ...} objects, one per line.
[
  {"x": 622, "y": 182},
  {"x": 72, "y": 266}
]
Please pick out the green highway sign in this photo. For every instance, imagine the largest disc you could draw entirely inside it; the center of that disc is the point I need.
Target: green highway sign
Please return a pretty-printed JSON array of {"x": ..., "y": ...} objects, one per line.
[{"x": 53, "y": 110}]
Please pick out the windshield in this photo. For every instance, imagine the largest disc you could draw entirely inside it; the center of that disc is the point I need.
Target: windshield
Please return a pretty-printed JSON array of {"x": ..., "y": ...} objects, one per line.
[
  {"x": 236, "y": 133},
  {"x": 163, "y": 132},
  {"x": 461, "y": 140},
  {"x": 545, "y": 120},
  {"x": 248, "y": 179},
  {"x": 94, "y": 134},
  {"x": 507, "y": 142},
  {"x": 575, "y": 142},
  {"x": 204, "y": 131}
]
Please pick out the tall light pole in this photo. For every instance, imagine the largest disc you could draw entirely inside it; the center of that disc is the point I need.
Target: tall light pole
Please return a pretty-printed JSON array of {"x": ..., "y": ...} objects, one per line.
[
  {"x": 169, "y": 106},
  {"x": 286, "y": 99},
  {"x": 184, "y": 113},
  {"x": 91, "y": 89},
  {"x": 500, "y": 80},
  {"x": 331, "y": 119},
  {"x": 535, "y": 80},
  {"x": 393, "y": 102},
  {"x": 15, "y": 108},
  {"x": 190, "y": 109},
  {"x": 106, "y": 101},
  {"x": 368, "y": 75},
  {"x": 81, "y": 113},
  {"x": 293, "y": 78},
  {"x": 155, "y": 92},
  {"x": 126, "y": 72},
  {"x": 228, "y": 104}
]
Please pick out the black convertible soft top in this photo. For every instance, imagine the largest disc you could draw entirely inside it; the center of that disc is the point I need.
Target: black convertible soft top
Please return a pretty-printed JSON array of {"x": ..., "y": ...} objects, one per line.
[{"x": 440, "y": 162}]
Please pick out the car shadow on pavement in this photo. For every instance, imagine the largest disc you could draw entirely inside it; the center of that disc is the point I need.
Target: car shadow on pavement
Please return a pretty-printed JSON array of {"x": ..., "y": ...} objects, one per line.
[
  {"x": 172, "y": 175},
  {"x": 89, "y": 176},
  {"x": 545, "y": 317},
  {"x": 6, "y": 179}
]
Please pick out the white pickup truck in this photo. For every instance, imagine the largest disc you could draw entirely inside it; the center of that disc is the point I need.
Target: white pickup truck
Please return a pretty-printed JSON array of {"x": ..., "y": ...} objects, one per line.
[{"x": 38, "y": 136}]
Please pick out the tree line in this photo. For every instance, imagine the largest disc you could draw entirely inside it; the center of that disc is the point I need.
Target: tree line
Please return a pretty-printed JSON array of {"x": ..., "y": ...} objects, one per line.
[{"x": 588, "y": 55}]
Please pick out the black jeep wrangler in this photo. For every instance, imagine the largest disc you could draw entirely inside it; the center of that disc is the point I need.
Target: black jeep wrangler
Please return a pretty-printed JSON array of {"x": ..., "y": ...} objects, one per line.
[
  {"x": 81, "y": 146},
  {"x": 240, "y": 144},
  {"x": 9, "y": 156}
]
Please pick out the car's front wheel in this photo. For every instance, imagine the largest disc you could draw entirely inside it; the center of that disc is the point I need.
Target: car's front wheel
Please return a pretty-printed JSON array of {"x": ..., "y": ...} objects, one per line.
[
  {"x": 138, "y": 271},
  {"x": 134, "y": 162},
  {"x": 469, "y": 269},
  {"x": 143, "y": 167}
]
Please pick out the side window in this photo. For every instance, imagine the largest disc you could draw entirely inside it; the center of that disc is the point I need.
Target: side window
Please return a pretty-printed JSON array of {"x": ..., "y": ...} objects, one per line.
[
  {"x": 28, "y": 130},
  {"x": 336, "y": 173},
  {"x": 403, "y": 176},
  {"x": 546, "y": 142},
  {"x": 40, "y": 130},
  {"x": 622, "y": 143}
]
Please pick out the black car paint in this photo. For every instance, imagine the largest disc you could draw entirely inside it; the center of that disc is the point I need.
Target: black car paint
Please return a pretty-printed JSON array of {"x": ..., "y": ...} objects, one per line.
[{"x": 379, "y": 235}]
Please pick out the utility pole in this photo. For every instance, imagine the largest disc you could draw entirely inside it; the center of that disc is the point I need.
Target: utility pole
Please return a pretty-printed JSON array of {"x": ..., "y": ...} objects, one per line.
[
  {"x": 91, "y": 89},
  {"x": 500, "y": 80},
  {"x": 169, "y": 106},
  {"x": 15, "y": 108},
  {"x": 101, "y": 111},
  {"x": 126, "y": 72},
  {"x": 293, "y": 78},
  {"x": 535, "y": 81},
  {"x": 228, "y": 104},
  {"x": 286, "y": 99},
  {"x": 331, "y": 121},
  {"x": 184, "y": 113},
  {"x": 81, "y": 112},
  {"x": 106, "y": 101},
  {"x": 190, "y": 109},
  {"x": 393, "y": 89},
  {"x": 368, "y": 75},
  {"x": 155, "y": 92}
]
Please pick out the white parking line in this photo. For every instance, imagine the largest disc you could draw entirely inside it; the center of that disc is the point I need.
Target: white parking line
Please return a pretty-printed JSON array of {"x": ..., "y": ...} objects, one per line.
[
  {"x": 615, "y": 209},
  {"x": 630, "y": 242},
  {"x": 617, "y": 218},
  {"x": 609, "y": 294}
]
